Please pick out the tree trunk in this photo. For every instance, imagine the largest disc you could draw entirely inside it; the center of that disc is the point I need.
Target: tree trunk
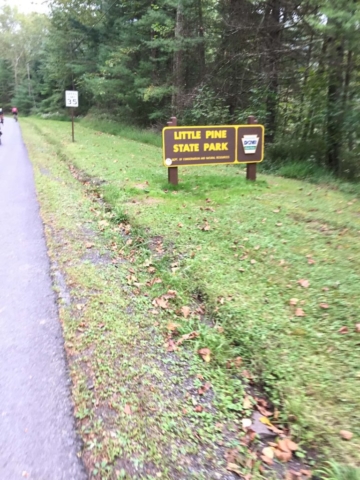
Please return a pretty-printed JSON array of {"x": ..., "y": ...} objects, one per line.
[
  {"x": 273, "y": 43},
  {"x": 202, "y": 42},
  {"x": 335, "y": 117},
  {"x": 178, "y": 68}
]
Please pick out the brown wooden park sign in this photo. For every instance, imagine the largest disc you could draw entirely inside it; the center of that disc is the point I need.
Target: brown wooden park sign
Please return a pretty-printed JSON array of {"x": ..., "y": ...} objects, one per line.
[{"x": 212, "y": 145}]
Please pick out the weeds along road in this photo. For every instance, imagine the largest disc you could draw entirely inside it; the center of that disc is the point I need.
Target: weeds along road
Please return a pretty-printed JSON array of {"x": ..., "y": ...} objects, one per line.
[{"x": 37, "y": 436}]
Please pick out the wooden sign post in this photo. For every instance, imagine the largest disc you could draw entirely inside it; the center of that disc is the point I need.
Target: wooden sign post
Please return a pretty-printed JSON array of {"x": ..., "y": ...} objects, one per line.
[
  {"x": 173, "y": 174},
  {"x": 72, "y": 101},
  {"x": 251, "y": 167}
]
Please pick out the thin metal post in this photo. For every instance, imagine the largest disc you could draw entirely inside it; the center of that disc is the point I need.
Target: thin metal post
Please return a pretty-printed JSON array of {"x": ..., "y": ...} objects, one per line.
[
  {"x": 251, "y": 167},
  {"x": 173, "y": 176}
]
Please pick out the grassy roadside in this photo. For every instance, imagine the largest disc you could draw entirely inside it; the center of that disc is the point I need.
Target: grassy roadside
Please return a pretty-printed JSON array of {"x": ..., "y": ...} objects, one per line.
[{"x": 234, "y": 253}]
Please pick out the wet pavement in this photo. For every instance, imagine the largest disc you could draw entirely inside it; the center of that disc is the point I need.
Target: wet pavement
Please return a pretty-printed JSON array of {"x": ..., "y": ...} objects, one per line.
[{"x": 37, "y": 433}]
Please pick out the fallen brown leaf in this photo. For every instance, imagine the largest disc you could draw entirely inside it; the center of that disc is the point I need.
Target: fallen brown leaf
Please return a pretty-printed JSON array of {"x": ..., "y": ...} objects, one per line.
[
  {"x": 171, "y": 347},
  {"x": 267, "y": 460},
  {"x": 357, "y": 328},
  {"x": 247, "y": 402},
  {"x": 343, "y": 330},
  {"x": 304, "y": 283},
  {"x": 127, "y": 409},
  {"x": 89, "y": 245},
  {"x": 346, "y": 435},
  {"x": 287, "y": 445},
  {"x": 231, "y": 455},
  {"x": 204, "y": 388},
  {"x": 232, "y": 467},
  {"x": 198, "y": 408},
  {"x": 264, "y": 412},
  {"x": 283, "y": 456},
  {"x": 324, "y": 305},
  {"x": 268, "y": 452},
  {"x": 185, "y": 311},
  {"x": 170, "y": 294},
  {"x": 205, "y": 353},
  {"x": 160, "y": 302},
  {"x": 172, "y": 326},
  {"x": 299, "y": 312},
  {"x": 293, "y": 302},
  {"x": 187, "y": 336}
]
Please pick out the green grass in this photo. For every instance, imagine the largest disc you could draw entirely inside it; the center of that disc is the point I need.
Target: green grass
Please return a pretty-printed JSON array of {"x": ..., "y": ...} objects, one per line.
[
  {"x": 260, "y": 240},
  {"x": 335, "y": 471},
  {"x": 127, "y": 131}
]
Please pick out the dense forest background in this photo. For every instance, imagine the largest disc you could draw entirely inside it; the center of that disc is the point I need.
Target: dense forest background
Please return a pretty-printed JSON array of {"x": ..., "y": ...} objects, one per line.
[{"x": 292, "y": 63}]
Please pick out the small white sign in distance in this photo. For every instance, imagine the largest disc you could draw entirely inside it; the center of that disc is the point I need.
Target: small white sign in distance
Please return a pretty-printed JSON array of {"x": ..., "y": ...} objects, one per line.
[{"x": 72, "y": 98}]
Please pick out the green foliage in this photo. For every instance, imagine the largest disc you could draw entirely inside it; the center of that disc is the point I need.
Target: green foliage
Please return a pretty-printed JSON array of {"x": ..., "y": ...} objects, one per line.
[
  {"x": 208, "y": 108},
  {"x": 336, "y": 471}
]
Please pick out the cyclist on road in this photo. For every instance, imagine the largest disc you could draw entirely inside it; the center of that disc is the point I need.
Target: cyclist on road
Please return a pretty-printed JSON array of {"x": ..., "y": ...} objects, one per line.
[
  {"x": 1, "y": 115},
  {"x": 14, "y": 111}
]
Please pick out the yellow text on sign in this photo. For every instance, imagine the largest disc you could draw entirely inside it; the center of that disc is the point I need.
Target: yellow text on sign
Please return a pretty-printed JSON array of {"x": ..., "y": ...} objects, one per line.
[
  {"x": 186, "y": 147},
  {"x": 215, "y": 147},
  {"x": 213, "y": 134},
  {"x": 187, "y": 135}
]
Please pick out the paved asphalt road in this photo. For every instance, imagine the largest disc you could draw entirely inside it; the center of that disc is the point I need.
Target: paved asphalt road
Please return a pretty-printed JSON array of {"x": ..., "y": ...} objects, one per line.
[{"x": 37, "y": 437}]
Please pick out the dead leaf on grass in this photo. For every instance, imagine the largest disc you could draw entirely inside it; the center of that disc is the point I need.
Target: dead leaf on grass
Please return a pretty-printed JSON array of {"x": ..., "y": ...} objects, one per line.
[
  {"x": 268, "y": 452},
  {"x": 325, "y": 306},
  {"x": 304, "y": 283},
  {"x": 346, "y": 435},
  {"x": 170, "y": 294},
  {"x": 89, "y": 245},
  {"x": 293, "y": 302},
  {"x": 357, "y": 328},
  {"x": 160, "y": 302},
  {"x": 247, "y": 404},
  {"x": 299, "y": 312},
  {"x": 283, "y": 456},
  {"x": 267, "y": 460},
  {"x": 171, "y": 346},
  {"x": 232, "y": 467},
  {"x": 198, "y": 408},
  {"x": 172, "y": 326},
  {"x": 270, "y": 426},
  {"x": 287, "y": 445},
  {"x": 205, "y": 228},
  {"x": 185, "y": 311},
  {"x": 343, "y": 330},
  {"x": 204, "y": 388},
  {"x": 187, "y": 336},
  {"x": 205, "y": 354},
  {"x": 264, "y": 412},
  {"x": 127, "y": 409}
]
